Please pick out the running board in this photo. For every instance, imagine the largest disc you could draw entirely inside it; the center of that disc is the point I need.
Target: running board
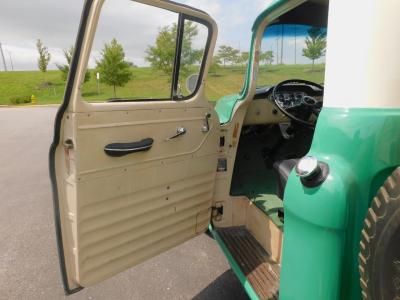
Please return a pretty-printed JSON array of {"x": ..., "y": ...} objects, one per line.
[{"x": 254, "y": 262}]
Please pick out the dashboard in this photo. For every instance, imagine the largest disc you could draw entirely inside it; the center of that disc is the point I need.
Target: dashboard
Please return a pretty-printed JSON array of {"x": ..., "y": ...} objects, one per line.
[
  {"x": 263, "y": 110},
  {"x": 289, "y": 99}
]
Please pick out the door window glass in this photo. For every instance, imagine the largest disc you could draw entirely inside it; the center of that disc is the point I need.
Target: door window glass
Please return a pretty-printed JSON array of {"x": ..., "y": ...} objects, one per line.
[
  {"x": 291, "y": 51},
  {"x": 136, "y": 49},
  {"x": 194, "y": 42}
]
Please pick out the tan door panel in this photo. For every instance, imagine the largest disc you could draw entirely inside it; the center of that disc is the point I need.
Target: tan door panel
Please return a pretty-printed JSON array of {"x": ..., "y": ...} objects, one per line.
[
  {"x": 96, "y": 130},
  {"x": 122, "y": 210},
  {"x": 113, "y": 213}
]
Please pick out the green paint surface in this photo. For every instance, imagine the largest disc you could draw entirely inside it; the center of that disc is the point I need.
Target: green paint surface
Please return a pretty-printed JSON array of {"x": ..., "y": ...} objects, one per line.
[
  {"x": 224, "y": 107},
  {"x": 323, "y": 224}
]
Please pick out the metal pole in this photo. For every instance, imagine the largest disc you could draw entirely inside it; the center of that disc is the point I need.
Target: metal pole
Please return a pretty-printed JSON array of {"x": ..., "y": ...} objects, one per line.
[
  {"x": 2, "y": 55},
  {"x": 98, "y": 82},
  {"x": 282, "y": 46},
  {"x": 12, "y": 65},
  {"x": 295, "y": 44}
]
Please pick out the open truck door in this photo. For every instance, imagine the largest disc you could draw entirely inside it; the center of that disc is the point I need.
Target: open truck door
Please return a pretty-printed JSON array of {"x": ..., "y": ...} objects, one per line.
[{"x": 131, "y": 179}]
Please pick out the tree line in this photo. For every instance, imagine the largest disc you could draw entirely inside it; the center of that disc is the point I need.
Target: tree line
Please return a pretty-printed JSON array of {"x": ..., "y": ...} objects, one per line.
[
  {"x": 116, "y": 71},
  {"x": 229, "y": 55}
]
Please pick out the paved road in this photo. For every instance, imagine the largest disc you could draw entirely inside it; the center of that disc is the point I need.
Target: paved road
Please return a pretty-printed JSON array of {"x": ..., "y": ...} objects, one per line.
[{"x": 28, "y": 258}]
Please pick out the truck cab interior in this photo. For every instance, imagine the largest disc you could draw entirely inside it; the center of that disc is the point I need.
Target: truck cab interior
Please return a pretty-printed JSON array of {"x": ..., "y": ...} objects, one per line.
[
  {"x": 277, "y": 130},
  {"x": 279, "y": 123}
]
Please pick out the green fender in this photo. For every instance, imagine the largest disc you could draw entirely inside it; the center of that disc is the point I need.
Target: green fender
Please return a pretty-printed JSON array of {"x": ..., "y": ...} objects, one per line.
[{"x": 323, "y": 224}]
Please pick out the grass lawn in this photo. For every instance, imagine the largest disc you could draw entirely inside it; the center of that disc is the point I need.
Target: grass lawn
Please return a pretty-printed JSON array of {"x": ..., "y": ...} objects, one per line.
[{"x": 146, "y": 83}]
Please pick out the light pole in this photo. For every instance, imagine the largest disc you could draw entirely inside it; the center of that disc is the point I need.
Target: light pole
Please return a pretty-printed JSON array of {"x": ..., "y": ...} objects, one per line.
[
  {"x": 12, "y": 65},
  {"x": 2, "y": 55},
  {"x": 295, "y": 44},
  {"x": 282, "y": 46},
  {"x": 98, "y": 83}
]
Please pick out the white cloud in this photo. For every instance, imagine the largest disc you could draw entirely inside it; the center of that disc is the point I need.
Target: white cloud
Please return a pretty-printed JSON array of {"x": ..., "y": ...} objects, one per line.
[
  {"x": 212, "y": 7},
  {"x": 263, "y": 4},
  {"x": 134, "y": 25},
  {"x": 26, "y": 57}
]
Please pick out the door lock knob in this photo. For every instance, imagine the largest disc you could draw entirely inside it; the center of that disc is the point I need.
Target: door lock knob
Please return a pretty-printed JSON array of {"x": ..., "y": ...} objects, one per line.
[
  {"x": 312, "y": 172},
  {"x": 307, "y": 166}
]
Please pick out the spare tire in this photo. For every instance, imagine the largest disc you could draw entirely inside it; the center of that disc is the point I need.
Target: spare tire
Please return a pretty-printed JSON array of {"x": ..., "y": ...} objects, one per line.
[{"x": 379, "y": 257}]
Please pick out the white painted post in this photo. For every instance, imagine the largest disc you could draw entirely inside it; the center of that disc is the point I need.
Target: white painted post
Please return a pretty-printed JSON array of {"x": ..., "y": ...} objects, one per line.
[{"x": 98, "y": 83}]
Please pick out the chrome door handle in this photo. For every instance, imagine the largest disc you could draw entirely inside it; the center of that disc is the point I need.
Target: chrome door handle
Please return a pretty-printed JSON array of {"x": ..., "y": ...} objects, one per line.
[
  {"x": 179, "y": 131},
  {"x": 121, "y": 149}
]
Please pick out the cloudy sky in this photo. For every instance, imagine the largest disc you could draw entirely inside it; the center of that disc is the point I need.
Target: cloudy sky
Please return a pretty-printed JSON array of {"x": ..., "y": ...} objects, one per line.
[{"x": 56, "y": 21}]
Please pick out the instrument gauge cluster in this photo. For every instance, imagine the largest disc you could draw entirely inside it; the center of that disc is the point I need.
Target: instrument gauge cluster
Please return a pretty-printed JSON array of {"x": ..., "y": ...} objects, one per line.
[{"x": 290, "y": 99}]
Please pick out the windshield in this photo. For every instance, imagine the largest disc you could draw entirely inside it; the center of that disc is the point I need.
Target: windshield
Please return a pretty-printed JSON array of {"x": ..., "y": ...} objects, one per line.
[{"x": 290, "y": 51}]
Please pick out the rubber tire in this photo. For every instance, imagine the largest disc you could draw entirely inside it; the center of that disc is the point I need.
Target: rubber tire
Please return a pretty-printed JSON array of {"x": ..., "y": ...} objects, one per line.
[{"x": 379, "y": 257}]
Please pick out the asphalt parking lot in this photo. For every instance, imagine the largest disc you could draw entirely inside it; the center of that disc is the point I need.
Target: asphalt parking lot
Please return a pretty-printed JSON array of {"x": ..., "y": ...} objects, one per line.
[{"x": 28, "y": 256}]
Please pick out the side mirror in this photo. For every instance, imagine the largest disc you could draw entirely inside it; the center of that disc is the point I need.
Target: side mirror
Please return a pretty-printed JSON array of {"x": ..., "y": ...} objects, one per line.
[{"x": 191, "y": 83}]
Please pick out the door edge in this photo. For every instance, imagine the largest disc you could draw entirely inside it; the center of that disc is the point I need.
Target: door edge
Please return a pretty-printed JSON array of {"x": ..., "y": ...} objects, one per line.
[{"x": 56, "y": 140}]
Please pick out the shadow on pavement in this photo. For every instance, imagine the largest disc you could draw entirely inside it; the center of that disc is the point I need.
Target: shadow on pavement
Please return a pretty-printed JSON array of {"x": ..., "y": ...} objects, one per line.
[{"x": 226, "y": 286}]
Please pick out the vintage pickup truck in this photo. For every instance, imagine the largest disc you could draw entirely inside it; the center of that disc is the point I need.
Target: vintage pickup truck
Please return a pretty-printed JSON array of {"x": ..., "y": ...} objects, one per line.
[{"x": 296, "y": 180}]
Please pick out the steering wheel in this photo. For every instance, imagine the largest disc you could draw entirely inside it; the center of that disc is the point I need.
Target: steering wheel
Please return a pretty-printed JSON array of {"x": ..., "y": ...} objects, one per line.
[{"x": 306, "y": 101}]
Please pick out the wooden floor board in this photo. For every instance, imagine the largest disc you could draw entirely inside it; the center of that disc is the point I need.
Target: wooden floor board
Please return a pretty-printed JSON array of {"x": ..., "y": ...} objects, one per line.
[{"x": 261, "y": 272}]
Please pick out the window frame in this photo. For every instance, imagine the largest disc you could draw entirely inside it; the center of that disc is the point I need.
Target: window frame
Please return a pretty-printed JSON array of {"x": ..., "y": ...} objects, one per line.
[{"x": 177, "y": 60}]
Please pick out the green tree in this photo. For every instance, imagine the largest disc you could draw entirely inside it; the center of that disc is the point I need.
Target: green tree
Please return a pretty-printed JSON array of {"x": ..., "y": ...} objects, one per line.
[
  {"x": 113, "y": 68},
  {"x": 245, "y": 56},
  {"x": 315, "y": 44},
  {"x": 267, "y": 57},
  {"x": 215, "y": 65},
  {"x": 44, "y": 56},
  {"x": 197, "y": 55},
  {"x": 228, "y": 54},
  {"x": 65, "y": 68},
  {"x": 189, "y": 55},
  {"x": 161, "y": 55},
  {"x": 243, "y": 59}
]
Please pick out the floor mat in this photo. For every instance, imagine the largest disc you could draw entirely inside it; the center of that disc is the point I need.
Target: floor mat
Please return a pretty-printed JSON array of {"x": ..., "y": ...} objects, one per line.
[
  {"x": 260, "y": 187},
  {"x": 253, "y": 179}
]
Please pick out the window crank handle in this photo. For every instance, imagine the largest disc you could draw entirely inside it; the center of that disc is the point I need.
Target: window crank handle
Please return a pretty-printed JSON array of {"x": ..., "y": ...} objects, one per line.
[{"x": 179, "y": 131}]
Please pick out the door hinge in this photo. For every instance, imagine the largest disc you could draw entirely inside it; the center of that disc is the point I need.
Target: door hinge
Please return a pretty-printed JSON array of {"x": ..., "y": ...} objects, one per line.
[{"x": 217, "y": 211}]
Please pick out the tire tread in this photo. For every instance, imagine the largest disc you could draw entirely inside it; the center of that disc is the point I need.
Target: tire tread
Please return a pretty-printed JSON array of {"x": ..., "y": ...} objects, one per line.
[{"x": 375, "y": 218}]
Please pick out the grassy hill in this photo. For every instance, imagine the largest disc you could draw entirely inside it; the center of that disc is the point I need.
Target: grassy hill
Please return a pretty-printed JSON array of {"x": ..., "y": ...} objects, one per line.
[{"x": 146, "y": 83}]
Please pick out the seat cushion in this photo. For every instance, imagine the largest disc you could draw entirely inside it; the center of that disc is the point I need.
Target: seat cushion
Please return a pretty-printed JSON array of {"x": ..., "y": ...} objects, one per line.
[{"x": 283, "y": 168}]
